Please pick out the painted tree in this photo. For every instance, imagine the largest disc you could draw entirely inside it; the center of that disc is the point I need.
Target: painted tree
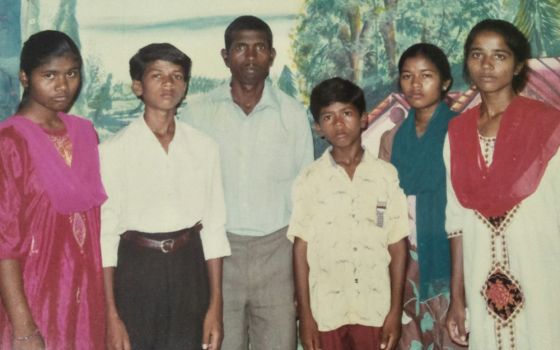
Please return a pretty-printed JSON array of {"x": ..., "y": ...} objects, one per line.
[
  {"x": 333, "y": 37},
  {"x": 361, "y": 40},
  {"x": 286, "y": 82},
  {"x": 10, "y": 34},
  {"x": 66, "y": 22},
  {"x": 100, "y": 101},
  {"x": 540, "y": 22}
]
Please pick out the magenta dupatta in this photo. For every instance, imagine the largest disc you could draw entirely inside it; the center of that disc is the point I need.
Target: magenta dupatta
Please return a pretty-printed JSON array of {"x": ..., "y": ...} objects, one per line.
[{"x": 74, "y": 188}]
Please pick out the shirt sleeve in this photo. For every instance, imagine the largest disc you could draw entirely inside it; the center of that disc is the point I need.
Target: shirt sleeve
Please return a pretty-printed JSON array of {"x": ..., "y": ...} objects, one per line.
[
  {"x": 397, "y": 209},
  {"x": 111, "y": 211},
  {"x": 11, "y": 189},
  {"x": 300, "y": 221},
  {"x": 214, "y": 239},
  {"x": 190, "y": 113},
  {"x": 453, "y": 209},
  {"x": 304, "y": 143}
]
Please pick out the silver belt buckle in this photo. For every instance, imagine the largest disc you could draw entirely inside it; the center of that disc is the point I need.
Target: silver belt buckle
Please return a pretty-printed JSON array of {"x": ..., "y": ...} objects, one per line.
[{"x": 167, "y": 245}]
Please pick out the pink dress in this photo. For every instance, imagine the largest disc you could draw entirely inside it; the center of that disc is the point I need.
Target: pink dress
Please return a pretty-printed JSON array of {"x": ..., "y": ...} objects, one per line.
[{"x": 59, "y": 254}]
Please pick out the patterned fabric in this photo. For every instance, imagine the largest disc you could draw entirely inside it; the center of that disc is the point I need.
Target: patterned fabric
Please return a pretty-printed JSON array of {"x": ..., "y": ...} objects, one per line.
[
  {"x": 503, "y": 295},
  {"x": 423, "y": 322},
  {"x": 63, "y": 145},
  {"x": 532, "y": 244},
  {"x": 348, "y": 225}
]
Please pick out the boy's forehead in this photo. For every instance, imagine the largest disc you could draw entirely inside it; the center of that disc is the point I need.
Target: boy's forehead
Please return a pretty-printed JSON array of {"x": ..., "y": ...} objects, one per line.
[
  {"x": 163, "y": 64},
  {"x": 337, "y": 106}
]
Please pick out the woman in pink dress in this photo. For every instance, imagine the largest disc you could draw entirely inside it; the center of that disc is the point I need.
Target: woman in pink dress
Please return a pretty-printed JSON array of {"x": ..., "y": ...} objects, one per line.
[{"x": 51, "y": 281}]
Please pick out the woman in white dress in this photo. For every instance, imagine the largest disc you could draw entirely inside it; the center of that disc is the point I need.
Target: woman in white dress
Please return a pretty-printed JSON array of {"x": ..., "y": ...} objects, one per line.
[{"x": 503, "y": 205}]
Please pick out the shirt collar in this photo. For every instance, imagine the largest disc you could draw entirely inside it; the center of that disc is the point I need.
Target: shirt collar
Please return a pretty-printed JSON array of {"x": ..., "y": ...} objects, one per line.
[
  {"x": 144, "y": 131},
  {"x": 268, "y": 98},
  {"x": 327, "y": 158}
]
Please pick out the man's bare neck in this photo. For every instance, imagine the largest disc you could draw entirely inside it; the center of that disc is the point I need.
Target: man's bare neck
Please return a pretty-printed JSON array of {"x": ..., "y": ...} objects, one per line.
[{"x": 247, "y": 96}]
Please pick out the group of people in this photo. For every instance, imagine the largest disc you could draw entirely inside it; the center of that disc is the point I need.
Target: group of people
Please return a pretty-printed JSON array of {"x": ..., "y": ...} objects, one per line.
[{"x": 176, "y": 233}]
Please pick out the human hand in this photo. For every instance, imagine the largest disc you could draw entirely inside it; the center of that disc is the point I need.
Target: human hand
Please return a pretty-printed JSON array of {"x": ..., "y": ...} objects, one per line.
[
  {"x": 455, "y": 323},
  {"x": 309, "y": 333},
  {"x": 391, "y": 331},
  {"x": 117, "y": 336},
  {"x": 213, "y": 329}
]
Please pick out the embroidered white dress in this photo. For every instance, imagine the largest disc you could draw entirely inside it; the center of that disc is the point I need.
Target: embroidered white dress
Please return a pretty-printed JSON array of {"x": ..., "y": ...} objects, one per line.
[{"x": 531, "y": 252}]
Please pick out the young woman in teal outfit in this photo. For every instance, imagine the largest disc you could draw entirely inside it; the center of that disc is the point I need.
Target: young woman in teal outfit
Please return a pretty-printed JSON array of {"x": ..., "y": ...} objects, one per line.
[{"x": 415, "y": 148}]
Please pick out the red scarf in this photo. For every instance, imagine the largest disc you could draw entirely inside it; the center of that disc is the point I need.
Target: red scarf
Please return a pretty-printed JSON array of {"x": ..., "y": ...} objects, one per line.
[{"x": 528, "y": 137}]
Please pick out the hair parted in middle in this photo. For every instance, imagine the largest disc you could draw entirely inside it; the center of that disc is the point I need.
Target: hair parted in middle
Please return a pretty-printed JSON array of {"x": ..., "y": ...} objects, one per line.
[
  {"x": 514, "y": 39},
  {"x": 433, "y": 54}
]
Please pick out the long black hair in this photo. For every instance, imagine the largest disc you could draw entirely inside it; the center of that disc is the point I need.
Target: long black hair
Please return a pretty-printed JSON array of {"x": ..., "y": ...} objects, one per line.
[
  {"x": 515, "y": 40},
  {"x": 433, "y": 54},
  {"x": 40, "y": 48}
]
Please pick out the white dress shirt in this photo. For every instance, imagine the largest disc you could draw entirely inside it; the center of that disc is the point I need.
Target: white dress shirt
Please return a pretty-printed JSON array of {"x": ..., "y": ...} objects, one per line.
[
  {"x": 153, "y": 191},
  {"x": 261, "y": 153}
]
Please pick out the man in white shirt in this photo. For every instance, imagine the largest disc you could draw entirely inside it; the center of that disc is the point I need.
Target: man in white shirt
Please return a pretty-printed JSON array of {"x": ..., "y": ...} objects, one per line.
[
  {"x": 162, "y": 228},
  {"x": 265, "y": 140}
]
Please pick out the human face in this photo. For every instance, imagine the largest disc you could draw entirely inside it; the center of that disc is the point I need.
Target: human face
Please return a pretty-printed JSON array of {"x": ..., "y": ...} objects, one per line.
[
  {"x": 341, "y": 124},
  {"x": 491, "y": 63},
  {"x": 163, "y": 86},
  {"x": 249, "y": 57},
  {"x": 52, "y": 86},
  {"x": 421, "y": 83}
]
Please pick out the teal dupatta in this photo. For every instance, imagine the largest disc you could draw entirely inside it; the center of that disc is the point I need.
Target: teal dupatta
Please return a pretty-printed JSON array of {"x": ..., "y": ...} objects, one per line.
[{"x": 419, "y": 162}]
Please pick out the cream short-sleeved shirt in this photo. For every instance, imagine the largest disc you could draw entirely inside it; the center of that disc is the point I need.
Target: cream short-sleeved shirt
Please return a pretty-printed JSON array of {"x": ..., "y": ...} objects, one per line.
[{"x": 348, "y": 225}]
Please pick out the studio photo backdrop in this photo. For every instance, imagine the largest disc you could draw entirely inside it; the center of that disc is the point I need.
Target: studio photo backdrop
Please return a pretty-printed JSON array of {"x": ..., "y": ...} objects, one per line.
[{"x": 360, "y": 40}]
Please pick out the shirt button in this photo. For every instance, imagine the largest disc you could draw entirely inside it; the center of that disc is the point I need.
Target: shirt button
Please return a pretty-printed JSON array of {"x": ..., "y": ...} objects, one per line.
[
  {"x": 355, "y": 249},
  {"x": 355, "y": 280},
  {"x": 353, "y": 215}
]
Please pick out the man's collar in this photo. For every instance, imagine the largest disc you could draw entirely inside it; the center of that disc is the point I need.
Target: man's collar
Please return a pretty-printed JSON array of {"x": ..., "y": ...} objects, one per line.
[{"x": 268, "y": 98}]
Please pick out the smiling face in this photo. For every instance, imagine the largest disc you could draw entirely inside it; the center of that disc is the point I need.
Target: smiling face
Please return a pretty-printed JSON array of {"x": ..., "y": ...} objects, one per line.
[
  {"x": 341, "y": 124},
  {"x": 249, "y": 57},
  {"x": 52, "y": 87},
  {"x": 421, "y": 83},
  {"x": 163, "y": 86},
  {"x": 491, "y": 63}
]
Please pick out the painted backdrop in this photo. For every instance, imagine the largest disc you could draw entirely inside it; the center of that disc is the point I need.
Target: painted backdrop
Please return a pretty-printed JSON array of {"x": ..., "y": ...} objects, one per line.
[
  {"x": 359, "y": 40},
  {"x": 315, "y": 39}
]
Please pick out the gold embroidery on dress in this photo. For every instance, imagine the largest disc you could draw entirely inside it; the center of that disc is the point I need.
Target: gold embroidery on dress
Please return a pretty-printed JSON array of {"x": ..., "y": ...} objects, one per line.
[
  {"x": 79, "y": 230},
  {"x": 63, "y": 145}
]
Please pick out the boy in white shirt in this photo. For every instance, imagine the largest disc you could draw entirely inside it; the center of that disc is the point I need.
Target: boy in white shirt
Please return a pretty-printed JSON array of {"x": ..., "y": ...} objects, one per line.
[{"x": 162, "y": 235}]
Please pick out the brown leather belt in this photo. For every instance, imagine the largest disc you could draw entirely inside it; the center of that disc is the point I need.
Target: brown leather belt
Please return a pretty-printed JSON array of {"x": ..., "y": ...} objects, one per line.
[{"x": 167, "y": 245}]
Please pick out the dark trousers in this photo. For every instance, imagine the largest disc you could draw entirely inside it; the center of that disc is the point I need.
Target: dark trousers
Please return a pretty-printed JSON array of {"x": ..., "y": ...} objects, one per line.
[{"x": 162, "y": 298}]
